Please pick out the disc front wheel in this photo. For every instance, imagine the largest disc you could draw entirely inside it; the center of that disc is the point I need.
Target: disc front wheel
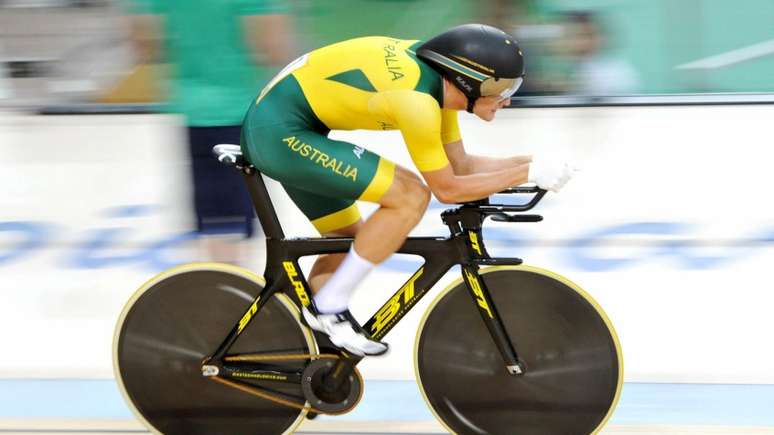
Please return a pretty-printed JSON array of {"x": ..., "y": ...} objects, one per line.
[{"x": 573, "y": 360}]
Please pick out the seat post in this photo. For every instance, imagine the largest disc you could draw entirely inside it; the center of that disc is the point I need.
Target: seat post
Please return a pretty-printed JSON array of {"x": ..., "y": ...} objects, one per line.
[{"x": 262, "y": 204}]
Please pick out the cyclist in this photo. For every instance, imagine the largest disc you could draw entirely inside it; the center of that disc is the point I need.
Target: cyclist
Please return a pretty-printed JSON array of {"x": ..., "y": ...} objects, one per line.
[{"x": 383, "y": 83}]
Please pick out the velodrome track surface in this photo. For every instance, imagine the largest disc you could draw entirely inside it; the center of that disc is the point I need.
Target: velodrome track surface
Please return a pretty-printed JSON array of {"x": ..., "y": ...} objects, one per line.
[
  {"x": 72, "y": 407},
  {"x": 108, "y": 427}
]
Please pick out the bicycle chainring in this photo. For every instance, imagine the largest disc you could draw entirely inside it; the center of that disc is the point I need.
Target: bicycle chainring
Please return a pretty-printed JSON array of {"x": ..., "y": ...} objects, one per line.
[{"x": 338, "y": 401}]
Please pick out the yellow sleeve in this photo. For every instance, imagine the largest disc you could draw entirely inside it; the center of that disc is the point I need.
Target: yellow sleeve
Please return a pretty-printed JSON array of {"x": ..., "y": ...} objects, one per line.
[
  {"x": 450, "y": 129},
  {"x": 418, "y": 117}
]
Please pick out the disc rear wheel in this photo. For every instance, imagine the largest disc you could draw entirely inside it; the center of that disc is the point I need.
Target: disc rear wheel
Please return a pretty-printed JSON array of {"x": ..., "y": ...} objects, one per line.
[
  {"x": 179, "y": 318},
  {"x": 573, "y": 361}
]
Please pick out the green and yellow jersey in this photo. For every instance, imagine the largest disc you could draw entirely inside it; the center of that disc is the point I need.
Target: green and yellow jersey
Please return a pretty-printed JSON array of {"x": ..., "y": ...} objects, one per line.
[
  {"x": 378, "y": 83},
  {"x": 371, "y": 83}
]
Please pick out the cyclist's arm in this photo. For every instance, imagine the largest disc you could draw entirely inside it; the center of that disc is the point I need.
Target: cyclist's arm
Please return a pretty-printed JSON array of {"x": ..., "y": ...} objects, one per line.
[
  {"x": 449, "y": 187},
  {"x": 420, "y": 120},
  {"x": 464, "y": 163}
]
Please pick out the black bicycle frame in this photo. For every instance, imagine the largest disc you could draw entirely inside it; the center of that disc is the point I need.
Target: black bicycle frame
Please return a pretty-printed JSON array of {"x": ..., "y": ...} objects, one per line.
[{"x": 464, "y": 247}]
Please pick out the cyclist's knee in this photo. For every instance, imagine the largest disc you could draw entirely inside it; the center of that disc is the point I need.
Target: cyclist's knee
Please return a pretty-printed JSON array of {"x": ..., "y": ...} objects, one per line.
[
  {"x": 414, "y": 193},
  {"x": 407, "y": 191},
  {"x": 416, "y": 198},
  {"x": 421, "y": 195}
]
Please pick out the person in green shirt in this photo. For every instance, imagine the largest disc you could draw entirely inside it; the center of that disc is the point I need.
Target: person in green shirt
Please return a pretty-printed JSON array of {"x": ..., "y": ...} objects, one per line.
[{"x": 220, "y": 53}]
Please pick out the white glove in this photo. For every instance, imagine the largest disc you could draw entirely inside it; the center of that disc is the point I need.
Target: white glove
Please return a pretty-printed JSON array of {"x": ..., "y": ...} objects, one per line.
[{"x": 550, "y": 174}]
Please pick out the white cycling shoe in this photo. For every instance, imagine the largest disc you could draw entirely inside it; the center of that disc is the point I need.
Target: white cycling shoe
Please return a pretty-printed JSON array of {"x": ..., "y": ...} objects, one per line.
[{"x": 344, "y": 332}]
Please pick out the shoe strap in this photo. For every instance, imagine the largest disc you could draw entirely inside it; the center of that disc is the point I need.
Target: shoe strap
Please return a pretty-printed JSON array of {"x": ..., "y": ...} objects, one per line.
[{"x": 358, "y": 328}]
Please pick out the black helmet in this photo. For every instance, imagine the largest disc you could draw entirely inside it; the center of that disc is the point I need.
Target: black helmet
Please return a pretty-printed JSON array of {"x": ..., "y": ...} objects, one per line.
[{"x": 480, "y": 60}]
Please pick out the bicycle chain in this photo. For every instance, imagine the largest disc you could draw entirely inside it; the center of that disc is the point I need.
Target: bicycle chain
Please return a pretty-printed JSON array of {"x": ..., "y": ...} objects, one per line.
[
  {"x": 268, "y": 396},
  {"x": 288, "y": 357}
]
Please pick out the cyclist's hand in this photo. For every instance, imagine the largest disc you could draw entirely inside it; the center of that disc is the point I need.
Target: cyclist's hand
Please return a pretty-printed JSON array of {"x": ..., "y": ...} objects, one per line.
[
  {"x": 550, "y": 174},
  {"x": 570, "y": 170}
]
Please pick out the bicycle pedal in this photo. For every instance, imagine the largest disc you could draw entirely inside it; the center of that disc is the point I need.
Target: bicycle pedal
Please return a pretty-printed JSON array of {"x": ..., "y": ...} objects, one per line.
[{"x": 311, "y": 415}]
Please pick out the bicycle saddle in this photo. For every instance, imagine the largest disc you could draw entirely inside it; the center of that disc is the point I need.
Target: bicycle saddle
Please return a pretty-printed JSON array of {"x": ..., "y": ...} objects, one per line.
[{"x": 230, "y": 154}]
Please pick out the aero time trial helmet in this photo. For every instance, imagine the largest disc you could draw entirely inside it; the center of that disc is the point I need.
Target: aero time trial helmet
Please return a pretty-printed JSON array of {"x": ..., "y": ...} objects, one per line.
[{"x": 480, "y": 60}]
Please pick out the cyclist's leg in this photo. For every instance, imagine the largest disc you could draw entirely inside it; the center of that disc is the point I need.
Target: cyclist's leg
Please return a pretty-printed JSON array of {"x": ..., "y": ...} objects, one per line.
[
  {"x": 401, "y": 208},
  {"x": 324, "y": 178},
  {"x": 283, "y": 139},
  {"x": 325, "y": 265},
  {"x": 332, "y": 217},
  {"x": 337, "y": 276}
]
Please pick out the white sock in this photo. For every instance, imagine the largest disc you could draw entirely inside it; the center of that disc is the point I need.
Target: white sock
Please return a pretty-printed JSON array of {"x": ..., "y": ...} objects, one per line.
[{"x": 334, "y": 296}]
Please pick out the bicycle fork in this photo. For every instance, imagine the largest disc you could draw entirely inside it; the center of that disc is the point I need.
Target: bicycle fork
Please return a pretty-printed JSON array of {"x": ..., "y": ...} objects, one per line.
[{"x": 477, "y": 288}]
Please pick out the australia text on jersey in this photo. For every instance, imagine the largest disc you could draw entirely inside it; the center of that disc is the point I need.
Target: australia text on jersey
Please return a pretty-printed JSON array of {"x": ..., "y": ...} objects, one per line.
[{"x": 321, "y": 158}]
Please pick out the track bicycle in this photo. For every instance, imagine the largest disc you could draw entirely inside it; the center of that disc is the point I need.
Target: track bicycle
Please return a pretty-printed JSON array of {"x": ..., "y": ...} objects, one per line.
[{"x": 209, "y": 348}]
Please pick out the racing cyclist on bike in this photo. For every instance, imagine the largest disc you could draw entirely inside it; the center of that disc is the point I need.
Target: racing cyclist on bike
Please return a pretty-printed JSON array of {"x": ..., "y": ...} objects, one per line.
[{"x": 383, "y": 83}]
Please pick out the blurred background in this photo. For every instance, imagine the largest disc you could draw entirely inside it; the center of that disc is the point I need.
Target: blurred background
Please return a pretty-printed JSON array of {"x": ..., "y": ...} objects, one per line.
[
  {"x": 81, "y": 51},
  {"x": 665, "y": 104}
]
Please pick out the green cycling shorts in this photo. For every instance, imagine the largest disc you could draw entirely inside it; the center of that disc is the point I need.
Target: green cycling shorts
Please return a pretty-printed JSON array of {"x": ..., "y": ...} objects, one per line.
[{"x": 283, "y": 139}]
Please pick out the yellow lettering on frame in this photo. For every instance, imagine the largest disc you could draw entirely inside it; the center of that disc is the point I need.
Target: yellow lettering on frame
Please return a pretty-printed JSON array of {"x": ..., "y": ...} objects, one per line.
[
  {"x": 476, "y": 287},
  {"x": 474, "y": 242},
  {"x": 290, "y": 269},
  {"x": 248, "y": 315},
  {"x": 394, "y": 305}
]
